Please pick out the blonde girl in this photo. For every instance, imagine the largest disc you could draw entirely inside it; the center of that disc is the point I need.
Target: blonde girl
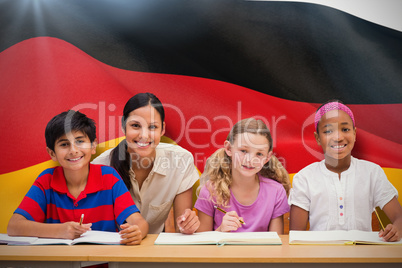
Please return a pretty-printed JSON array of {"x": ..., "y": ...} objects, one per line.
[{"x": 245, "y": 180}]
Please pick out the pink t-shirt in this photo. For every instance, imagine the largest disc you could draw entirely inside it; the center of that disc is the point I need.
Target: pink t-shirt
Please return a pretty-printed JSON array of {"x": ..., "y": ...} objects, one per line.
[{"x": 271, "y": 203}]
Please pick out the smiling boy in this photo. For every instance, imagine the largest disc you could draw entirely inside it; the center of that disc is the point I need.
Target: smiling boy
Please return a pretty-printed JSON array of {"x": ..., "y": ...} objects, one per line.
[{"x": 59, "y": 196}]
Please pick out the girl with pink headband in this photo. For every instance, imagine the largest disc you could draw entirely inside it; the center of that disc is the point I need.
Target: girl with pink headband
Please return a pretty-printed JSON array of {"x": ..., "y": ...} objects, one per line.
[{"x": 341, "y": 192}]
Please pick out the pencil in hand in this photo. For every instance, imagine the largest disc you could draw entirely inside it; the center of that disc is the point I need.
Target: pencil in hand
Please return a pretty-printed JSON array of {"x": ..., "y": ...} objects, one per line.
[
  {"x": 82, "y": 218},
  {"x": 223, "y": 211},
  {"x": 379, "y": 220}
]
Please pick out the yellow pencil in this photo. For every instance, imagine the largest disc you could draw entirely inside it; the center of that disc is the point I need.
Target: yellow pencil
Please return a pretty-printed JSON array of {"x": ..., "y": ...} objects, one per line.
[
  {"x": 82, "y": 218},
  {"x": 223, "y": 211},
  {"x": 379, "y": 219}
]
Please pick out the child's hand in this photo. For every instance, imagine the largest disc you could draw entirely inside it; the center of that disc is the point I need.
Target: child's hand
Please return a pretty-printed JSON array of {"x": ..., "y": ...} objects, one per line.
[
  {"x": 72, "y": 230},
  {"x": 188, "y": 223},
  {"x": 230, "y": 222},
  {"x": 390, "y": 233},
  {"x": 130, "y": 234}
]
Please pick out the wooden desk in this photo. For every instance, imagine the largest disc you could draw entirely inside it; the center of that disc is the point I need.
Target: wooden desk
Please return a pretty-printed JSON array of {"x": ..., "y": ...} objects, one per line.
[
  {"x": 150, "y": 255},
  {"x": 46, "y": 256}
]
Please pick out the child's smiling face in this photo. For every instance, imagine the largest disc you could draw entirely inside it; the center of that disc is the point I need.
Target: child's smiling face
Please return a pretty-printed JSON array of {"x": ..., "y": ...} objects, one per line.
[
  {"x": 336, "y": 134},
  {"x": 249, "y": 153},
  {"x": 73, "y": 151}
]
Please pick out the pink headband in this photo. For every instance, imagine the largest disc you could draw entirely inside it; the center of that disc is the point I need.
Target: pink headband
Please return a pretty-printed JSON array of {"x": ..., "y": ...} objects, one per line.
[{"x": 329, "y": 107}]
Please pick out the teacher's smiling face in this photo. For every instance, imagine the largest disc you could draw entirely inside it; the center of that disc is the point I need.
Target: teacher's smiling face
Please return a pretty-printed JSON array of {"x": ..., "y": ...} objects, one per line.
[{"x": 144, "y": 129}]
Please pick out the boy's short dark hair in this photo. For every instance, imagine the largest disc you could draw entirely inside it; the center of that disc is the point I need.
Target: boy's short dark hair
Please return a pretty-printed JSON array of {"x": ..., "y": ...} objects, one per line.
[{"x": 66, "y": 122}]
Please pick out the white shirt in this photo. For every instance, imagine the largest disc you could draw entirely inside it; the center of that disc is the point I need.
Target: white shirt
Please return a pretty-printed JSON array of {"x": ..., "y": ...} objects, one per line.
[
  {"x": 341, "y": 204},
  {"x": 173, "y": 172}
]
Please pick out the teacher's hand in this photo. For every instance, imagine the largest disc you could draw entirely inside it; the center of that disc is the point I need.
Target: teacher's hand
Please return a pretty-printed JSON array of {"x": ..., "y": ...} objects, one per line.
[{"x": 188, "y": 223}]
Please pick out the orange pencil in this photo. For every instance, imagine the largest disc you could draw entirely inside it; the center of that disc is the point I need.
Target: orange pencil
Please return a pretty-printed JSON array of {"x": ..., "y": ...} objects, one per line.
[
  {"x": 82, "y": 218},
  {"x": 223, "y": 211}
]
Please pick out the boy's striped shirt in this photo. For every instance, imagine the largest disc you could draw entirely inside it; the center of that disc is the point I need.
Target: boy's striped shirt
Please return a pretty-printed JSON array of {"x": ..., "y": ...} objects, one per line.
[{"x": 105, "y": 201}]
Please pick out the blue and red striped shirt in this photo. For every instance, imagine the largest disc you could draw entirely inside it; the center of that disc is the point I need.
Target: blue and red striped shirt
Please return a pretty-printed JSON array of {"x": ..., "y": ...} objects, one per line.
[{"x": 105, "y": 201}]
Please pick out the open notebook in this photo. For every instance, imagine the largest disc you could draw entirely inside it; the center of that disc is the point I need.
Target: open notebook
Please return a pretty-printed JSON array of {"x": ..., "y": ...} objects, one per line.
[
  {"x": 90, "y": 237},
  {"x": 337, "y": 237},
  {"x": 219, "y": 238}
]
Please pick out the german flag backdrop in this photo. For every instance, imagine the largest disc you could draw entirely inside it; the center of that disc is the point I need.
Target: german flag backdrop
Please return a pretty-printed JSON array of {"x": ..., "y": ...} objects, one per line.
[{"x": 210, "y": 62}]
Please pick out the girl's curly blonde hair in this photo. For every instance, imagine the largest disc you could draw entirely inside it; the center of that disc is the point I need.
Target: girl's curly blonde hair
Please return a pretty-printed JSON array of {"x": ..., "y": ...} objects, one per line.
[{"x": 217, "y": 175}]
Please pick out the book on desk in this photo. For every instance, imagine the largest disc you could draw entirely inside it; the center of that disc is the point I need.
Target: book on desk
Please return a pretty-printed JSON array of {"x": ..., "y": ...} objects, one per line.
[
  {"x": 90, "y": 237},
  {"x": 219, "y": 238},
  {"x": 337, "y": 237}
]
